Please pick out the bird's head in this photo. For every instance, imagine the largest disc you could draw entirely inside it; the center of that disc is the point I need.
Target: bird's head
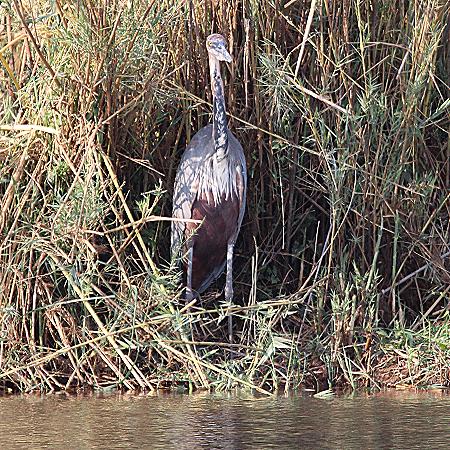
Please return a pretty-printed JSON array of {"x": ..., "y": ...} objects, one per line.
[{"x": 217, "y": 47}]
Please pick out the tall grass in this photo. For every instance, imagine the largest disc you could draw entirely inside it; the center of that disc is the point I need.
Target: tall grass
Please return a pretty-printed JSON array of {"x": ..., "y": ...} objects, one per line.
[{"x": 342, "y": 268}]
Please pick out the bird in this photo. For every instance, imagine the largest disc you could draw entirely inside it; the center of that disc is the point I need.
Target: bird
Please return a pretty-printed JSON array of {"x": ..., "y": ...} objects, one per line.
[{"x": 209, "y": 192}]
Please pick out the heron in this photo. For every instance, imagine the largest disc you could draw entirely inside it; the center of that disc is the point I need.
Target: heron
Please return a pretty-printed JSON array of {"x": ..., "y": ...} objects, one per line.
[{"x": 210, "y": 188}]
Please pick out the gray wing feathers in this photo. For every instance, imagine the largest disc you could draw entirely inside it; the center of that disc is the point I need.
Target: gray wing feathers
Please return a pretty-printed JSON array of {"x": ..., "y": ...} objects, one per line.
[
  {"x": 241, "y": 177},
  {"x": 186, "y": 185}
]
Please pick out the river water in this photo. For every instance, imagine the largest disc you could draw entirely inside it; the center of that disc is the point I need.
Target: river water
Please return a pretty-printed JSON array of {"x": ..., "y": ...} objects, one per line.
[{"x": 390, "y": 420}]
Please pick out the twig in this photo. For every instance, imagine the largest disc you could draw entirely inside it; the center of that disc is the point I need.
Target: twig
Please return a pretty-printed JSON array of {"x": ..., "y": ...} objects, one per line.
[
  {"x": 36, "y": 45},
  {"x": 412, "y": 275},
  {"x": 305, "y": 36}
]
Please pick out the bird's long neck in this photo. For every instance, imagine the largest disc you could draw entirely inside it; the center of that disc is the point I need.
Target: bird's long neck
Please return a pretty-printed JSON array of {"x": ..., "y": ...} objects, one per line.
[{"x": 220, "y": 126}]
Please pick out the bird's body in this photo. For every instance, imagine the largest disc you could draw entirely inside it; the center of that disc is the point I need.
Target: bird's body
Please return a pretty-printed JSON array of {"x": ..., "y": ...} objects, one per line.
[{"x": 210, "y": 187}]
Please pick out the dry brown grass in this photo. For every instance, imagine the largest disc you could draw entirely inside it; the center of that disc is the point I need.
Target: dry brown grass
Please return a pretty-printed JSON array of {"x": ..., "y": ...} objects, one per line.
[{"x": 342, "y": 109}]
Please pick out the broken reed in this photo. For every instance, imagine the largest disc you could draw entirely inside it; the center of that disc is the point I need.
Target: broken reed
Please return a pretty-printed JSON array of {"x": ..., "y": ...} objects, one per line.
[{"x": 341, "y": 273}]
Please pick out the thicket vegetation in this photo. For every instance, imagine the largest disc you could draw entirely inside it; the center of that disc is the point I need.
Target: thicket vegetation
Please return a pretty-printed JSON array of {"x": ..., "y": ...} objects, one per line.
[{"x": 342, "y": 268}]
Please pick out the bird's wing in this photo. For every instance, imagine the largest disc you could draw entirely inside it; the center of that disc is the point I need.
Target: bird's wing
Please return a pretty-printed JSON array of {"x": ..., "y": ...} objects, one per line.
[
  {"x": 241, "y": 183},
  {"x": 186, "y": 186},
  {"x": 240, "y": 168}
]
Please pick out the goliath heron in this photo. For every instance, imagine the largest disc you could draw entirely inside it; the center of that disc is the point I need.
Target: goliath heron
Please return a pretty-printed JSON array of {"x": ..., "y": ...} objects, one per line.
[{"x": 210, "y": 186}]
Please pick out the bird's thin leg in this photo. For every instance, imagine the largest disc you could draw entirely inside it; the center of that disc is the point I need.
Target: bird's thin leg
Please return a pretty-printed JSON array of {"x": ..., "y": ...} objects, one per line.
[
  {"x": 229, "y": 288},
  {"x": 190, "y": 255}
]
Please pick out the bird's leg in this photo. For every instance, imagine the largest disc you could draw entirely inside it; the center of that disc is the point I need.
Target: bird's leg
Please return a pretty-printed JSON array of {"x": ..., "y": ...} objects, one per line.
[
  {"x": 190, "y": 255},
  {"x": 229, "y": 288},
  {"x": 229, "y": 279}
]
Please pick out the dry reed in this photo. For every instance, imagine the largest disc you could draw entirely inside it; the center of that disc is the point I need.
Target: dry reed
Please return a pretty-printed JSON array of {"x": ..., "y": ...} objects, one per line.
[{"x": 342, "y": 269}]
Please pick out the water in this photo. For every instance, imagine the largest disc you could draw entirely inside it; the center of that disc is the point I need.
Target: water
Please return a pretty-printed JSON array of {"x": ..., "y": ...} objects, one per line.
[{"x": 386, "y": 421}]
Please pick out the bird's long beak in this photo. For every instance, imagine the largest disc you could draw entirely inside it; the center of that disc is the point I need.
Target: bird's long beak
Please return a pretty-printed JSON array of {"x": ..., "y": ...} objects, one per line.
[{"x": 222, "y": 54}]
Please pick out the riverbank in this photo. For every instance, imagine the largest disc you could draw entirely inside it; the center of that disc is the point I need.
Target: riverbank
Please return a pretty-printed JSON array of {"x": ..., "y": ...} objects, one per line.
[{"x": 342, "y": 265}]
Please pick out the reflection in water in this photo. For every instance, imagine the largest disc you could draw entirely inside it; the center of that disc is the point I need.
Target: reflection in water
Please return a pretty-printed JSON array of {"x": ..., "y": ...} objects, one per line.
[{"x": 420, "y": 420}]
